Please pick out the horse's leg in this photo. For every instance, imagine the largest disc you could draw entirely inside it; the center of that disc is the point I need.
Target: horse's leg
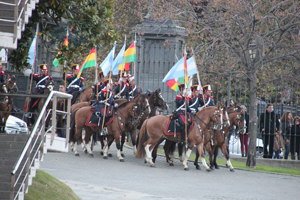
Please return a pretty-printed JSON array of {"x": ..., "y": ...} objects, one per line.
[
  {"x": 210, "y": 153},
  {"x": 216, "y": 150},
  {"x": 123, "y": 137},
  {"x": 133, "y": 141},
  {"x": 196, "y": 160},
  {"x": 169, "y": 149},
  {"x": 118, "y": 145},
  {"x": 180, "y": 151},
  {"x": 109, "y": 140},
  {"x": 102, "y": 139},
  {"x": 149, "y": 148},
  {"x": 87, "y": 140},
  {"x": 78, "y": 136},
  {"x": 225, "y": 152},
  {"x": 201, "y": 153}
]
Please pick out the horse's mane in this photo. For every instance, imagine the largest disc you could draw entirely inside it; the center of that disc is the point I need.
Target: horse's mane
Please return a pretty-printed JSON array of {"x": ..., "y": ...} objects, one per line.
[
  {"x": 125, "y": 104},
  {"x": 86, "y": 89}
]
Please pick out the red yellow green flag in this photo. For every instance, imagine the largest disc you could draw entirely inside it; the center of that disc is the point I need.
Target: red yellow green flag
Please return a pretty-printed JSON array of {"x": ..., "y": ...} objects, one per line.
[
  {"x": 66, "y": 43},
  {"x": 90, "y": 61},
  {"x": 129, "y": 56}
]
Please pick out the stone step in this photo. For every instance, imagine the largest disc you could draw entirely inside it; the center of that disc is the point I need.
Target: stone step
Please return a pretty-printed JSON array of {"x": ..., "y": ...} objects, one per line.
[
  {"x": 13, "y": 138},
  {"x": 12, "y": 145}
]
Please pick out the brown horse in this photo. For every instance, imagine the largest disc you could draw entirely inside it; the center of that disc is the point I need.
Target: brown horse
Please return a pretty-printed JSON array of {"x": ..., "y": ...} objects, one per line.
[
  {"x": 218, "y": 139},
  {"x": 169, "y": 147},
  {"x": 124, "y": 113},
  {"x": 154, "y": 127},
  {"x": 6, "y": 105},
  {"x": 87, "y": 94}
]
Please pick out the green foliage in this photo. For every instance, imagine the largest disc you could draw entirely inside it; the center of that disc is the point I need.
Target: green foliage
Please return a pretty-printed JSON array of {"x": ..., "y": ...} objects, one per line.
[
  {"x": 89, "y": 22},
  {"x": 47, "y": 187}
]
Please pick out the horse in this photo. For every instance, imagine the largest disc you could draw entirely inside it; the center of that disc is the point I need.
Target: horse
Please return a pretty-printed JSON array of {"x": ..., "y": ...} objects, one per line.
[
  {"x": 10, "y": 86},
  {"x": 219, "y": 138},
  {"x": 156, "y": 100},
  {"x": 169, "y": 146},
  {"x": 154, "y": 127},
  {"x": 41, "y": 101},
  {"x": 86, "y": 94},
  {"x": 128, "y": 111}
]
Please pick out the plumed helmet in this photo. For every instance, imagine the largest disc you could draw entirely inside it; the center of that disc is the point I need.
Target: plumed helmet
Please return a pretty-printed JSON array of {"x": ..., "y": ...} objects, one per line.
[
  {"x": 181, "y": 86},
  {"x": 194, "y": 88},
  {"x": 207, "y": 87},
  {"x": 75, "y": 67},
  {"x": 101, "y": 75},
  {"x": 43, "y": 67}
]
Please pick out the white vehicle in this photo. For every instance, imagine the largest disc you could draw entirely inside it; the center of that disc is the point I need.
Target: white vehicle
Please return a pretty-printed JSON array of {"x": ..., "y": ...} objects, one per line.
[{"x": 15, "y": 125}]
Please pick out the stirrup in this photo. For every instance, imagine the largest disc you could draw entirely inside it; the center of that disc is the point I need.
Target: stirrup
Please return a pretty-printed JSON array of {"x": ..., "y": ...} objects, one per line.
[
  {"x": 104, "y": 131},
  {"x": 28, "y": 115}
]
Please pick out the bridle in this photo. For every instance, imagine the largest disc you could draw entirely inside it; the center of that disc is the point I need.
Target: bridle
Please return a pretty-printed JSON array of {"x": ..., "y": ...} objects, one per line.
[{"x": 159, "y": 101}]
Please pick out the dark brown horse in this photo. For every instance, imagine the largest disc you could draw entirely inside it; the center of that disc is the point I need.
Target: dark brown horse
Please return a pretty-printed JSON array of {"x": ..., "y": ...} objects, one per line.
[
  {"x": 6, "y": 105},
  {"x": 218, "y": 139},
  {"x": 125, "y": 112},
  {"x": 154, "y": 128}
]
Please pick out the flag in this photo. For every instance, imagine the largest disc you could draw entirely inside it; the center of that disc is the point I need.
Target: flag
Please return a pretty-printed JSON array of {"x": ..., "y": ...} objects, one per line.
[
  {"x": 31, "y": 51},
  {"x": 186, "y": 72},
  {"x": 118, "y": 61},
  {"x": 177, "y": 70},
  {"x": 173, "y": 83},
  {"x": 107, "y": 63},
  {"x": 66, "y": 43},
  {"x": 90, "y": 61},
  {"x": 130, "y": 54}
]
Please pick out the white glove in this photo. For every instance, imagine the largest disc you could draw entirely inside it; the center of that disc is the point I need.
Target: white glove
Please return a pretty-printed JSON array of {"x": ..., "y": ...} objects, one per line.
[
  {"x": 116, "y": 105},
  {"x": 193, "y": 112}
]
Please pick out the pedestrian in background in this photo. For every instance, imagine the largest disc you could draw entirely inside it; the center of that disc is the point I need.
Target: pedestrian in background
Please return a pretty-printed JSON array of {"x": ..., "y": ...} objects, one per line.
[
  {"x": 295, "y": 138},
  {"x": 244, "y": 134},
  {"x": 286, "y": 122}
]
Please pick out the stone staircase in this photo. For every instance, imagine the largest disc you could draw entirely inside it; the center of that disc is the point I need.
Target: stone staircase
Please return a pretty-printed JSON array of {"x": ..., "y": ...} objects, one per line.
[
  {"x": 14, "y": 15},
  {"x": 11, "y": 147}
]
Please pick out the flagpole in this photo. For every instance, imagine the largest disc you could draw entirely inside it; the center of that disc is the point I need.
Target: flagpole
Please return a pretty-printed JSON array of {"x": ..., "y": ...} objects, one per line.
[
  {"x": 65, "y": 67},
  {"x": 32, "y": 67},
  {"x": 107, "y": 92},
  {"x": 185, "y": 75},
  {"x": 121, "y": 72},
  {"x": 96, "y": 71},
  {"x": 199, "y": 82}
]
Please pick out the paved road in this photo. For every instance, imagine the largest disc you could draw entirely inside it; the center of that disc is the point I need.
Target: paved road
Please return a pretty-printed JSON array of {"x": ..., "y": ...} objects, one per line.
[{"x": 96, "y": 178}]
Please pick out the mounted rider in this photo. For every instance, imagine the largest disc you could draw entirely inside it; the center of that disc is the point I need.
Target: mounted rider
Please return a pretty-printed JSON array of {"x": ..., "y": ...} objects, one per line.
[
  {"x": 180, "y": 110},
  {"x": 105, "y": 93},
  {"x": 75, "y": 85},
  {"x": 99, "y": 84},
  {"x": 122, "y": 93},
  {"x": 41, "y": 81},
  {"x": 209, "y": 100},
  {"x": 133, "y": 89},
  {"x": 194, "y": 99}
]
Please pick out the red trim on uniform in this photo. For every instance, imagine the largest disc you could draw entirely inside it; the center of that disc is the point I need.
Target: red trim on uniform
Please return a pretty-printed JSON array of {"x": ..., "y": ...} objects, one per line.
[
  {"x": 51, "y": 78},
  {"x": 69, "y": 76},
  {"x": 36, "y": 75},
  {"x": 82, "y": 79},
  {"x": 2, "y": 72},
  {"x": 178, "y": 97}
]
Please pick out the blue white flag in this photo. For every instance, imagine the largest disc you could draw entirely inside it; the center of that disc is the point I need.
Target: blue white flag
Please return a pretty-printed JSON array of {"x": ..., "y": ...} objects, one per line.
[
  {"x": 177, "y": 71},
  {"x": 32, "y": 50},
  {"x": 107, "y": 63},
  {"x": 118, "y": 61}
]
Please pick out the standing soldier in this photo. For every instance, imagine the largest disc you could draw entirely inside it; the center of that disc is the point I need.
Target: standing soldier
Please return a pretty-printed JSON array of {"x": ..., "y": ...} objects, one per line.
[
  {"x": 124, "y": 92},
  {"x": 75, "y": 85},
  {"x": 133, "y": 89},
  {"x": 41, "y": 81},
  {"x": 180, "y": 110},
  {"x": 209, "y": 101}
]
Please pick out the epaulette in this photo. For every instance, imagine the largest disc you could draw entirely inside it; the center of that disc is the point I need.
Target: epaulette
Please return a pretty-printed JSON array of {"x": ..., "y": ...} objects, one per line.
[
  {"x": 82, "y": 79},
  {"x": 178, "y": 96},
  {"x": 2, "y": 73},
  {"x": 103, "y": 90},
  {"x": 116, "y": 83},
  {"x": 127, "y": 85},
  {"x": 69, "y": 76},
  {"x": 211, "y": 97},
  {"x": 51, "y": 78},
  {"x": 36, "y": 75}
]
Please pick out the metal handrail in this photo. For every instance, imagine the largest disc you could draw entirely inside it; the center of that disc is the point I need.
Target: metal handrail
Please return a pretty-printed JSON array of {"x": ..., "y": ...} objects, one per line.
[{"x": 61, "y": 95}]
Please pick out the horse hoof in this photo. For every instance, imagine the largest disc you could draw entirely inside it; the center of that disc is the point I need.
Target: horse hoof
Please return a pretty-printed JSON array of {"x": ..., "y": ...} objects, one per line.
[
  {"x": 212, "y": 167},
  {"x": 122, "y": 160},
  {"x": 198, "y": 167},
  {"x": 171, "y": 164},
  {"x": 152, "y": 165},
  {"x": 91, "y": 155},
  {"x": 101, "y": 153},
  {"x": 227, "y": 166},
  {"x": 232, "y": 170},
  {"x": 186, "y": 169},
  {"x": 145, "y": 161},
  {"x": 76, "y": 154},
  {"x": 208, "y": 170},
  {"x": 105, "y": 157},
  {"x": 109, "y": 155},
  {"x": 217, "y": 167},
  {"x": 122, "y": 154}
]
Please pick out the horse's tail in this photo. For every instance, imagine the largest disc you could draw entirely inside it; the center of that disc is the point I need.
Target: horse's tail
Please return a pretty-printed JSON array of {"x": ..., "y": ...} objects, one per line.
[
  {"x": 142, "y": 137},
  {"x": 72, "y": 126}
]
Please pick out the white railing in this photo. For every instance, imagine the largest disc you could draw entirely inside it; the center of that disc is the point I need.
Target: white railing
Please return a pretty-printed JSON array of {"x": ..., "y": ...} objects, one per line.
[{"x": 34, "y": 148}]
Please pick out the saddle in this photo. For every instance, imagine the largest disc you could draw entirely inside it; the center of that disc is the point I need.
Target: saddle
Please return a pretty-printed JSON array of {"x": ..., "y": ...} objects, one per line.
[
  {"x": 173, "y": 127},
  {"x": 96, "y": 119}
]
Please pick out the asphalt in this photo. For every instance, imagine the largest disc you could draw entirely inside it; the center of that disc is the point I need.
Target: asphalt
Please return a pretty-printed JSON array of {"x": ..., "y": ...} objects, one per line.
[{"x": 93, "y": 178}]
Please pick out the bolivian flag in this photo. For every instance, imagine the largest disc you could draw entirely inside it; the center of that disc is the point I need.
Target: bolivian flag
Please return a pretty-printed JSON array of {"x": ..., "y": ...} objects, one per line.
[
  {"x": 90, "y": 61},
  {"x": 66, "y": 43}
]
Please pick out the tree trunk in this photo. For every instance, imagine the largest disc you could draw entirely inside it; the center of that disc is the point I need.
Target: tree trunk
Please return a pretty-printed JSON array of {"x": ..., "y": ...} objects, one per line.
[{"x": 252, "y": 83}]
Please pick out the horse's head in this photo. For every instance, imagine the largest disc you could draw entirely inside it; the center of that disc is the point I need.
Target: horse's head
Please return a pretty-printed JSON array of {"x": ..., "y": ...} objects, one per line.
[
  {"x": 158, "y": 100},
  {"x": 11, "y": 84},
  {"x": 49, "y": 87},
  {"x": 226, "y": 121},
  {"x": 141, "y": 108},
  {"x": 217, "y": 118},
  {"x": 237, "y": 118}
]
